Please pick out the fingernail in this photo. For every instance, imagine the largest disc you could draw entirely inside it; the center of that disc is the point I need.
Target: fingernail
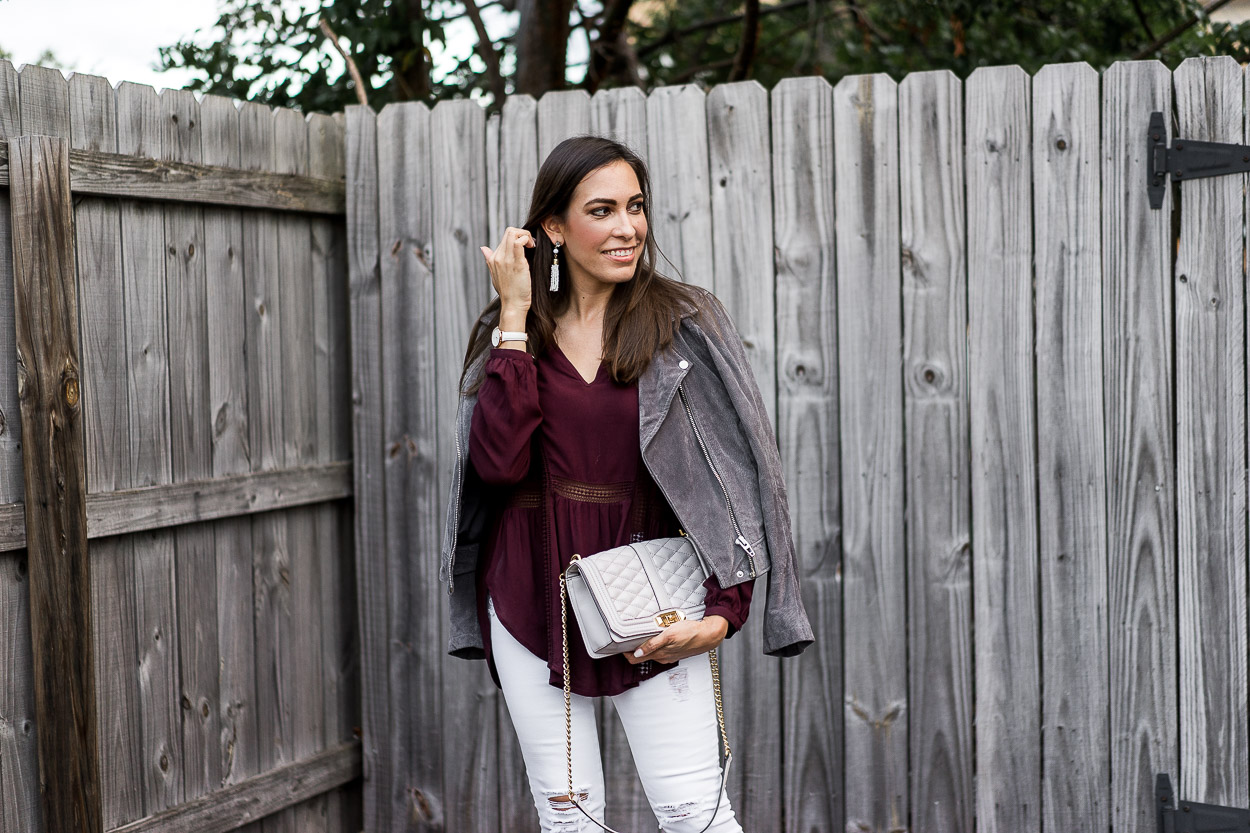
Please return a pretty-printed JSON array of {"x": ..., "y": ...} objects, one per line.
[{"x": 638, "y": 653}]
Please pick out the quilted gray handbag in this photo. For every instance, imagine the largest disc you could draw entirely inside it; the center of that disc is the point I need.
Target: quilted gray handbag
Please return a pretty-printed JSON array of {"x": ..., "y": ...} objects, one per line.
[{"x": 624, "y": 596}]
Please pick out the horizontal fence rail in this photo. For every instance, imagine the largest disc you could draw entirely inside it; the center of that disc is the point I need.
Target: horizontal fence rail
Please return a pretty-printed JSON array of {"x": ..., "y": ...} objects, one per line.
[{"x": 120, "y": 175}]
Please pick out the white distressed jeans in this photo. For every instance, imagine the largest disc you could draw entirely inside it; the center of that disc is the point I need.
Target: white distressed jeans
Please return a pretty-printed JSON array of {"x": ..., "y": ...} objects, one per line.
[{"x": 670, "y": 721}]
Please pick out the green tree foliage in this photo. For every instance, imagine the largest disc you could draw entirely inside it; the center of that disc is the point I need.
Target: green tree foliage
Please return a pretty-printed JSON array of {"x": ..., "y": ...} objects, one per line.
[{"x": 273, "y": 51}]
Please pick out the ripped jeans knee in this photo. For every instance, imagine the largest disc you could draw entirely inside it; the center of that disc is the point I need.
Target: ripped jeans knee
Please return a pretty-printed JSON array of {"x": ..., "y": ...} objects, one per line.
[{"x": 562, "y": 815}]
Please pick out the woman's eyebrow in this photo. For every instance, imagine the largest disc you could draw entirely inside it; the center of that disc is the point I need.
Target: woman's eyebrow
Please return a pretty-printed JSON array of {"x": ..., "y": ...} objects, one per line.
[{"x": 609, "y": 200}]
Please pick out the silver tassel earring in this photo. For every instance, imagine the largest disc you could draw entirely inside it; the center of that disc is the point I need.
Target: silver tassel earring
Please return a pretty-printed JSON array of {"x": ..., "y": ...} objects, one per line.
[{"x": 555, "y": 269}]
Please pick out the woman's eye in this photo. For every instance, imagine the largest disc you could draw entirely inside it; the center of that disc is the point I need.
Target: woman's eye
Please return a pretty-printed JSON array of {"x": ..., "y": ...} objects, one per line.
[
  {"x": 636, "y": 208},
  {"x": 598, "y": 212}
]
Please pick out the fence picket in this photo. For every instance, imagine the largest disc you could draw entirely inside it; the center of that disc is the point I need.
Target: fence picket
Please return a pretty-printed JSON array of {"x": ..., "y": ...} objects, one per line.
[
  {"x": 192, "y": 457},
  {"x": 561, "y": 114},
  {"x": 935, "y": 359},
  {"x": 461, "y": 290},
  {"x": 1140, "y": 450},
  {"x": 621, "y": 114},
  {"x": 410, "y": 454},
  {"x": 518, "y": 163},
  {"x": 1070, "y": 439},
  {"x": 238, "y": 745},
  {"x": 1007, "y": 624},
  {"x": 512, "y": 164},
  {"x": 1211, "y": 445},
  {"x": 333, "y": 523},
  {"x": 11, "y": 433},
  {"x": 738, "y": 128},
  {"x": 865, "y": 119},
  {"x": 270, "y": 544},
  {"x": 681, "y": 211},
  {"x": 299, "y": 413},
  {"x": 807, "y": 432},
  {"x": 369, "y": 527},
  {"x": 139, "y": 132}
]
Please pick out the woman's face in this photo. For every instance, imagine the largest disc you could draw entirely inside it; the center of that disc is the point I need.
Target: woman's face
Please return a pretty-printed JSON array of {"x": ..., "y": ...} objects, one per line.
[{"x": 604, "y": 227}]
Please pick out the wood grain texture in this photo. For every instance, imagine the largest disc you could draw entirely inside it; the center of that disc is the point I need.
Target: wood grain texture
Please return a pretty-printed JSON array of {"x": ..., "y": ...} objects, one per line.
[
  {"x": 518, "y": 163},
  {"x": 370, "y": 531},
  {"x": 461, "y": 290},
  {"x": 561, "y": 114},
  {"x": 410, "y": 459},
  {"x": 271, "y": 557},
  {"x": 621, "y": 114},
  {"x": 1007, "y": 623},
  {"x": 239, "y": 805},
  {"x": 512, "y": 160},
  {"x": 39, "y": 99},
  {"x": 238, "y": 744},
  {"x": 738, "y": 132},
  {"x": 681, "y": 210},
  {"x": 105, "y": 174},
  {"x": 106, "y": 423},
  {"x": 140, "y": 131},
  {"x": 1140, "y": 457},
  {"x": 10, "y": 419},
  {"x": 299, "y": 413},
  {"x": 1070, "y": 442},
  {"x": 936, "y": 439},
  {"x": 337, "y": 584},
  {"x": 1211, "y": 445},
  {"x": 191, "y": 456},
  {"x": 19, "y": 756},
  {"x": 865, "y": 118},
  {"x": 46, "y": 306},
  {"x": 808, "y": 436}
]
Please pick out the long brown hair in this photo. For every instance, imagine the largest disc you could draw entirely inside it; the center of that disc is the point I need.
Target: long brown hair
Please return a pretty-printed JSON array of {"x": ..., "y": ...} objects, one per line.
[{"x": 643, "y": 312}]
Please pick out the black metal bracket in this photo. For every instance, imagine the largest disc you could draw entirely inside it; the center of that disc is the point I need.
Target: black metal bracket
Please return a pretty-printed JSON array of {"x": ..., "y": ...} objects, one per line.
[
  {"x": 1187, "y": 159},
  {"x": 1192, "y": 817}
]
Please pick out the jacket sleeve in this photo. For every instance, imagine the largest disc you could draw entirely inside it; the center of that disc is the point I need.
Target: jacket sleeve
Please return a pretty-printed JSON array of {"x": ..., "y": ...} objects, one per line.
[
  {"x": 787, "y": 630},
  {"x": 505, "y": 418}
]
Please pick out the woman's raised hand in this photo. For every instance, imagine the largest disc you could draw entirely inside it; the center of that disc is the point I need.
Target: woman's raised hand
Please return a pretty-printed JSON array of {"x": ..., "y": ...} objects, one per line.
[{"x": 510, "y": 271}]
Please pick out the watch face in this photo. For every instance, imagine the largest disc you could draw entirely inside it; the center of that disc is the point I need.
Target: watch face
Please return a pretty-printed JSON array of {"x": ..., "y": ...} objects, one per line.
[{"x": 494, "y": 337}]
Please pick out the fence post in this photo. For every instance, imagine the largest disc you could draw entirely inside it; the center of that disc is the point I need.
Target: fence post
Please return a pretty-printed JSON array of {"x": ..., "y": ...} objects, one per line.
[{"x": 54, "y": 463}]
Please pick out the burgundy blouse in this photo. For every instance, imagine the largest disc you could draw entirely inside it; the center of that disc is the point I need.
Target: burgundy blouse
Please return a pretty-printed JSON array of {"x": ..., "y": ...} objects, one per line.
[{"x": 566, "y": 454}]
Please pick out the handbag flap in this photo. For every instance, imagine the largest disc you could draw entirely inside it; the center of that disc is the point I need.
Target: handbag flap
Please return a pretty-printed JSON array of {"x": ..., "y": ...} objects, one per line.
[{"x": 621, "y": 584}]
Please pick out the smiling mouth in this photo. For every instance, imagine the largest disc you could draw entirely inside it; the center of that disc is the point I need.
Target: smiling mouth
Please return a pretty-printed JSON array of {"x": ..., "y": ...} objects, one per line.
[{"x": 621, "y": 254}]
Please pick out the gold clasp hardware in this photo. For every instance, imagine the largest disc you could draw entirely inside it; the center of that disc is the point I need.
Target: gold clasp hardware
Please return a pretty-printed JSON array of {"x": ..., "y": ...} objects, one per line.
[
  {"x": 682, "y": 533},
  {"x": 668, "y": 617}
]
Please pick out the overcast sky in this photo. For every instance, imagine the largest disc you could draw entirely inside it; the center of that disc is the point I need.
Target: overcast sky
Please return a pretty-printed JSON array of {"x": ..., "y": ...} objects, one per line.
[{"x": 117, "y": 39}]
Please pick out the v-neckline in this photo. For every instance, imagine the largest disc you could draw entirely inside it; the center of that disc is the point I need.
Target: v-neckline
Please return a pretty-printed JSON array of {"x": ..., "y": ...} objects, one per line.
[{"x": 573, "y": 367}]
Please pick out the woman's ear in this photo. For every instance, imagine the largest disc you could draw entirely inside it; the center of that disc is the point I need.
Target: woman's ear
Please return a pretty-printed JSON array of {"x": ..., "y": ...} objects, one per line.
[{"x": 554, "y": 230}]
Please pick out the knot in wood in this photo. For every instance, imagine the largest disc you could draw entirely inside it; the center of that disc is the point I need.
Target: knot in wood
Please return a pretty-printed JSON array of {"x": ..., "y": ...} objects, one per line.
[{"x": 71, "y": 392}]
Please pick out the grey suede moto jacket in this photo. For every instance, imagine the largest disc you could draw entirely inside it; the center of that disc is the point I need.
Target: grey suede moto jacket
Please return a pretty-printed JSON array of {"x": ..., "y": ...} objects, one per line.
[{"x": 706, "y": 440}]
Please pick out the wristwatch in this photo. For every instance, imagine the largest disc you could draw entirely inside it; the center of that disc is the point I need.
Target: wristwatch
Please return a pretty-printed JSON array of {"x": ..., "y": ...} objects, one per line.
[{"x": 498, "y": 337}]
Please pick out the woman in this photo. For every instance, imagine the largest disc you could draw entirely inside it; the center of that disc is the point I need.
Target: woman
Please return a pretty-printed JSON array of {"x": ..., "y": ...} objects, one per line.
[{"x": 582, "y": 383}]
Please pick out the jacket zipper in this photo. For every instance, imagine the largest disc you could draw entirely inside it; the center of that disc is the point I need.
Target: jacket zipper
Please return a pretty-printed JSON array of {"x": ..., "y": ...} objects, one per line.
[
  {"x": 455, "y": 529},
  {"x": 740, "y": 539}
]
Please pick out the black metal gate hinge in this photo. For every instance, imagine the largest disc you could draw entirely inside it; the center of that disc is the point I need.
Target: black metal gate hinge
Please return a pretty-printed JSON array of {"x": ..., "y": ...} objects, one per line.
[
  {"x": 1187, "y": 159},
  {"x": 1192, "y": 817}
]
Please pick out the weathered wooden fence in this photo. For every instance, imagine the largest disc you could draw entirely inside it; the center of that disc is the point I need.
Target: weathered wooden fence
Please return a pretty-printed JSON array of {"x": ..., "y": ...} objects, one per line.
[
  {"x": 212, "y": 352},
  {"x": 1010, "y": 398},
  {"x": 1011, "y": 402}
]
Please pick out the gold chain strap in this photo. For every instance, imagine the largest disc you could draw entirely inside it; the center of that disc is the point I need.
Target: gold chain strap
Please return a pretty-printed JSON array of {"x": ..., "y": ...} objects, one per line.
[{"x": 568, "y": 714}]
